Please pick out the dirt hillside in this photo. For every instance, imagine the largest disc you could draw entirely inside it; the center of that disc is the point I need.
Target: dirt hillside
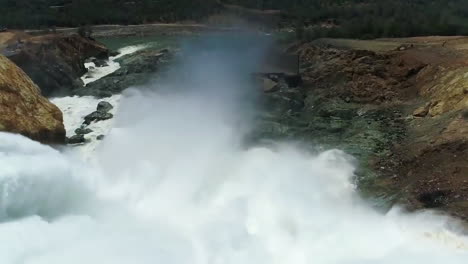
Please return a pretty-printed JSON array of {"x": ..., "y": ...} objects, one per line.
[{"x": 418, "y": 88}]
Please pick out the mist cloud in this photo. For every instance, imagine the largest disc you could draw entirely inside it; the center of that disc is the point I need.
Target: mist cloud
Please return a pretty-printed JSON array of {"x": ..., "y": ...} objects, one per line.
[{"x": 173, "y": 184}]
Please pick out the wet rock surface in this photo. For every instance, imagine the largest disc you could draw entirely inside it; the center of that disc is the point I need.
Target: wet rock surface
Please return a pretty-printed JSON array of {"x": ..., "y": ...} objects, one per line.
[
  {"x": 322, "y": 121},
  {"x": 76, "y": 139},
  {"x": 136, "y": 69},
  {"x": 101, "y": 113},
  {"x": 96, "y": 117},
  {"x": 400, "y": 113},
  {"x": 104, "y": 107},
  {"x": 83, "y": 131}
]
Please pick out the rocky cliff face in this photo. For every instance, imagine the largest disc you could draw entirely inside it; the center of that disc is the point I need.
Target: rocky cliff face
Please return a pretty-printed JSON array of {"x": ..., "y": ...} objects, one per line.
[
  {"x": 402, "y": 112},
  {"x": 55, "y": 62},
  {"x": 24, "y": 110}
]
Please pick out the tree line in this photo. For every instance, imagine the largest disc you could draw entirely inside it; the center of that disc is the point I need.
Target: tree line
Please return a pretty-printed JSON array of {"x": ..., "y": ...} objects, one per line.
[
  {"x": 381, "y": 18},
  {"x": 312, "y": 18},
  {"x": 71, "y": 13}
]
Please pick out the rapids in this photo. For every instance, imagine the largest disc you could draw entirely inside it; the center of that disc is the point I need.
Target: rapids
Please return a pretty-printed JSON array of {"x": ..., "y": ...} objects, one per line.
[
  {"x": 95, "y": 73},
  {"x": 173, "y": 183}
]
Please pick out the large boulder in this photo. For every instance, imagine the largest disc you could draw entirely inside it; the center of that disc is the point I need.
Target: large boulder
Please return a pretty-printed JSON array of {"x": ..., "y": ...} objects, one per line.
[
  {"x": 24, "y": 110},
  {"x": 55, "y": 62}
]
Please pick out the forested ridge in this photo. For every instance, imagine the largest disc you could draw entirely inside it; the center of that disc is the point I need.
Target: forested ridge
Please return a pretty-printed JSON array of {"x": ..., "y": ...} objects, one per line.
[
  {"x": 371, "y": 18},
  {"x": 49, "y": 13},
  {"x": 318, "y": 18}
]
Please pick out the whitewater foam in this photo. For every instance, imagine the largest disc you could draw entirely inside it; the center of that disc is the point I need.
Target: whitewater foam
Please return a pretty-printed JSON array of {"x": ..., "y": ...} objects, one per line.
[
  {"x": 37, "y": 180},
  {"x": 75, "y": 108},
  {"x": 221, "y": 205},
  {"x": 95, "y": 73},
  {"x": 173, "y": 183}
]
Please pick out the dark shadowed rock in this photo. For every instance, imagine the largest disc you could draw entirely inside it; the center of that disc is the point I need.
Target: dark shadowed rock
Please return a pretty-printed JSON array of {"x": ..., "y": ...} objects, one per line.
[
  {"x": 83, "y": 131},
  {"x": 293, "y": 80},
  {"x": 55, "y": 62},
  {"x": 97, "y": 116},
  {"x": 104, "y": 107},
  {"x": 113, "y": 53},
  {"x": 76, "y": 139},
  {"x": 100, "y": 62}
]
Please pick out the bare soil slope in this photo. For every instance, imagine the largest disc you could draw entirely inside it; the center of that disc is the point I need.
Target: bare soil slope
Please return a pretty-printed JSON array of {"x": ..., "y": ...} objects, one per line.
[{"x": 424, "y": 82}]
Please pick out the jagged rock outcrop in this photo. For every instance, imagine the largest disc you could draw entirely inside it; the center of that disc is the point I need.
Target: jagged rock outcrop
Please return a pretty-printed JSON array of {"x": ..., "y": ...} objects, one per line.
[
  {"x": 360, "y": 76},
  {"x": 402, "y": 113},
  {"x": 55, "y": 62},
  {"x": 24, "y": 110},
  {"x": 135, "y": 69}
]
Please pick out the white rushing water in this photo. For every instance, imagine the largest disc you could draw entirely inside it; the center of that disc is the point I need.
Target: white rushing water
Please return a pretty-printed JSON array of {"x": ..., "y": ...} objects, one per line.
[
  {"x": 95, "y": 73},
  {"x": 171, "y": 183},
  {"x": 75, "y": 108},
  {"x": 168, "y": 190}
]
